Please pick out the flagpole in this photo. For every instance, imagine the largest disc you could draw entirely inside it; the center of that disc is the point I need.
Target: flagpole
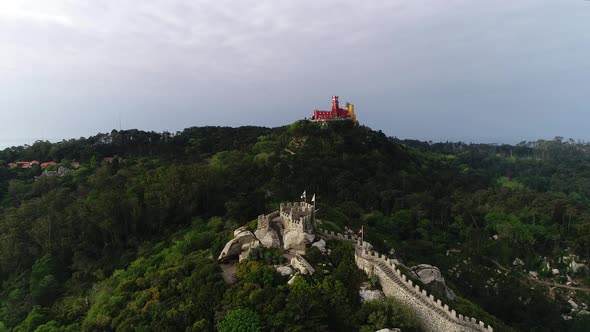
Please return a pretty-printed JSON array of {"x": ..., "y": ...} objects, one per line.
[{"x": 313, "y": 212}]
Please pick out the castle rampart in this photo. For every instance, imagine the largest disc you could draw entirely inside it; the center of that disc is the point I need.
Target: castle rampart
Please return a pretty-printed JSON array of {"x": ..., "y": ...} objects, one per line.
[
  {"x": 432, "y": 313},
  {"x": 264, "y": 220}
]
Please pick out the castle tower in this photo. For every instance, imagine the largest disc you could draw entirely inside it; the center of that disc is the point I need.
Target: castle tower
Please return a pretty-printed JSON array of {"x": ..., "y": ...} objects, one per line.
[{"x": 335, "y": 107}]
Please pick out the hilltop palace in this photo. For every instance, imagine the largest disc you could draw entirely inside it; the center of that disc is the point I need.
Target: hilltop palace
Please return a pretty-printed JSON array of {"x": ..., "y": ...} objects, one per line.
[{"x": 336, "y": 113}]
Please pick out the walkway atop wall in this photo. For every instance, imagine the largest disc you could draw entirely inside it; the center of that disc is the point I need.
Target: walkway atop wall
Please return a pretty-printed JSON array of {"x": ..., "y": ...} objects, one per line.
[
  {"x": 436, "y": 307},
  {"x": 433, "y": 314}
]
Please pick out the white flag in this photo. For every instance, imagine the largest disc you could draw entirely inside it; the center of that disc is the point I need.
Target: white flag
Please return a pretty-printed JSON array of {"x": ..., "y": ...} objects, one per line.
[
  {"x": 304, "y": 195},
  {"x": 313, "y": 198}
]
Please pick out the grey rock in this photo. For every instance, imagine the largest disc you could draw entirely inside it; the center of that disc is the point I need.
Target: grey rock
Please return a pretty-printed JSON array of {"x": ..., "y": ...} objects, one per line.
[
  {"x": 285, "y": 270},
  {"x": 293, "y": 240},
  {"x": 431, "y": 276},
  {"x": 370, "y": 295},
  {"x": 321, "y": 245},
  {"x": 300, "y": 264},
  {"x": 240, "y": 230},
  {"x": 573, "y": 304},
  {"x": 308, "y": 237},
  {"x": 234, "y": 246},
  {"x": 518, "y": 262},
  {"x": 577, "y": 267},
  {"x": 268, "y": 238}
]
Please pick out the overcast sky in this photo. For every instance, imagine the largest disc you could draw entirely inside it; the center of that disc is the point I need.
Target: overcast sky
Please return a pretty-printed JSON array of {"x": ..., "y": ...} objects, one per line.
[{"x": 488, "y": 71}]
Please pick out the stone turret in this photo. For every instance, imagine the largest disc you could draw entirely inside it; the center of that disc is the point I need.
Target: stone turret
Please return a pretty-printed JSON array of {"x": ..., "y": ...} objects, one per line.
[
  {"x": 292, "y": 226},
  {"x": 297, "y": 216}
]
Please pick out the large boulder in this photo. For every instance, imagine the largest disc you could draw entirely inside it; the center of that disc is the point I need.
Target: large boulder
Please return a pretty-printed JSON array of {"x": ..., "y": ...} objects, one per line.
[
  {"x": 574, "y": 305},
  {"x": 321, "y": 245},
  {"x": 518, "y": 262},
  {"x": 301, "y": 265},
  {"x": 242, "y": 229},
  {"x": 247, "y": 248},
  {"x": 268, "y": 237},
  {"x": 367, "y": 294},
  {"x": 577, "y": 267},
  {"x": 295, "y": 241},
  {"x": 234, "y": 246},
  {"x": 285, "y": 270},
  {"x": 431, "y": 276}
]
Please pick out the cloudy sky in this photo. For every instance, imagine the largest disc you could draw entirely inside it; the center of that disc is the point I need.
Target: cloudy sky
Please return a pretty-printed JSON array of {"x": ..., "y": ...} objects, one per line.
[{"x": 490, "y": 71}]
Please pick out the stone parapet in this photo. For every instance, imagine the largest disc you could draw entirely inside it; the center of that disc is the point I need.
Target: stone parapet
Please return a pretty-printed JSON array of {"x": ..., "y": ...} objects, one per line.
[
  {"x": 264, "y": 220},
  {"x": 433, "y": 314}
]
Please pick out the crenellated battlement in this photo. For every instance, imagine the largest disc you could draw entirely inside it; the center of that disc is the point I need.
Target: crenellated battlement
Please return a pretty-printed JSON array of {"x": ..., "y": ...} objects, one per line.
[
  {"x": 433, "y": 314},
  {"x": 297, "y": 204},
  {"x": 297, "y": 216},
  {"x": 339, "y": 236},
  {"x": 265, "y": 220},
  {"x": 291, "y": 218}
]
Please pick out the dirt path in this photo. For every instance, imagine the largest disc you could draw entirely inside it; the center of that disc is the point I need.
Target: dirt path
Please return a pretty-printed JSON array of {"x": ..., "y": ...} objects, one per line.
[{"x": 551, "y": 285}]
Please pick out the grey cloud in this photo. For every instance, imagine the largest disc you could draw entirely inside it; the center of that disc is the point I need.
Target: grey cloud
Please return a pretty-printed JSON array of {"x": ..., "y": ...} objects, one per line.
[{"x": 426, "y": 69}]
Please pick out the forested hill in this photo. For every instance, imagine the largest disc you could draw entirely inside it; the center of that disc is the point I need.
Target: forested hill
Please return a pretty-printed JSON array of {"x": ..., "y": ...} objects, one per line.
[{"x": 126, "y": 242}]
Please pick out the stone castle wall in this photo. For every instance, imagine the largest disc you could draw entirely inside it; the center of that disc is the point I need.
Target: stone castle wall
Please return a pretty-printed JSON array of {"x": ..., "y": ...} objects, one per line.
[
  {"x": 264, "y": 220},
  {"x": 338, "y": 236},
  {"x": 431, "y": 312}
]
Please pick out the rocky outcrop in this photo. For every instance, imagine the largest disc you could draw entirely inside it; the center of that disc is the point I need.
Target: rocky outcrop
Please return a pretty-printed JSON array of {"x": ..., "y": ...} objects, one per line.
[
  {"x": 285, "y": 270},
  {"x": 577, "y": 267},
  {"x": 247, "y": 247},
  {"x": 240, "y": 230},
  {"x": 268, "y": 238},
  {"x": 518, "y": 262},
  {"x": 308, "y": 237},
  {"x": 301, "y": 265},
  {"x": 295, "y": 241},
  {"x": 321, "y": 245},
  {"x": 370, "y": 295},
  {"x": 242, "y": 241},
  {"x": 431, "y": 276}
]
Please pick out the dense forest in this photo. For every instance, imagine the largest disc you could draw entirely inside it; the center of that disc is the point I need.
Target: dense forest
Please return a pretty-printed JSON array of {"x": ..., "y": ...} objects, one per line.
[{"x": 127, "y": 241}]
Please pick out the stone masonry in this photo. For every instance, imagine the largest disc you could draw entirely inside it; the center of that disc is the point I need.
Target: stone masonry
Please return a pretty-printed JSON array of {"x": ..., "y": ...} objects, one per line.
[
  {"x": 296, "y": 216},
  {"x": 431, "y": 312}
]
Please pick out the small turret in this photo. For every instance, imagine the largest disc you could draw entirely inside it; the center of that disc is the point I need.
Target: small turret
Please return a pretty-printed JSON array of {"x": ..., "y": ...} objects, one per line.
[{"x": 351, "y": 112}]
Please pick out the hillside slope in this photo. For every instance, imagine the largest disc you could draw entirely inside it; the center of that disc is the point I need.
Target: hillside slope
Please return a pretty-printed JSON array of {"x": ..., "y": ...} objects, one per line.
[{"x": 78, "y": 250}]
